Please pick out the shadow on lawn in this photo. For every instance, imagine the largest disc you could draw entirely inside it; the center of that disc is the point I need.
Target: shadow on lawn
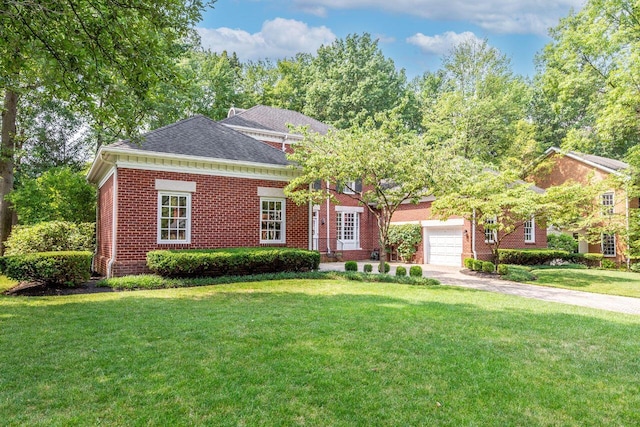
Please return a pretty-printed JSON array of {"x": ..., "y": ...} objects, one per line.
[{"x": 577, "y": 278}]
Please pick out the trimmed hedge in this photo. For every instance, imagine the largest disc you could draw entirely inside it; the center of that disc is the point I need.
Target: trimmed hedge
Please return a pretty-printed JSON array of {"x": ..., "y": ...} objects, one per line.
[
  {"x": 503, "y": 269},
  {"x": 468, "y": 263},
  {"x": 415, "y": 271},
  {"x": 535, "y": 256},
  {"x": 476, "y": 265},
  {"x": 231, "y": 262},
  {"x": 51, "y": 236},
  {"x": 387, "y": 267},
  {"x": 368, "y": 268},
  {"x": 51, "y": 268},
  {"x": 401, "y": 271},
  {"x": 350, "y": 266},
  {"x": 488, "y": 267}
]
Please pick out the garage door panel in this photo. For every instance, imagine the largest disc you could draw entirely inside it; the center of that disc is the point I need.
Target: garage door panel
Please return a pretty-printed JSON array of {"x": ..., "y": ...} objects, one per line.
[{"x": 444, "y": 246}]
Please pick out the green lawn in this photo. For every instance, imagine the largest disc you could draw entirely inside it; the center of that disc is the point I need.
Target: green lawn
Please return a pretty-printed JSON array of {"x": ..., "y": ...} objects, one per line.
[
  {"x": 319, "y": 353},
  {"x": 610, "y": 282}
]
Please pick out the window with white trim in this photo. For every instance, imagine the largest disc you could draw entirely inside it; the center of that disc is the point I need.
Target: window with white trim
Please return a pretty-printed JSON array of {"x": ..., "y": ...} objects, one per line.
[
  {"x": 609, "y": 245},
  {"x": 607, "y": 200},
  {"x": 272, "y": 220},
  {"x": 530, "y": 231},
  {"x": 348, "y": 229},
  {"x": 490, "y": 234},
  {"x": 174, "y": 217}
]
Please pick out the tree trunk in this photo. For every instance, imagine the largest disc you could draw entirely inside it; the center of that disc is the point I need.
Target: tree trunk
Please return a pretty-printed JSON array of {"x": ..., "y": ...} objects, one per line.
[
  {"x": 383, "y": 228},
  {"x": 7, "y": 150}
]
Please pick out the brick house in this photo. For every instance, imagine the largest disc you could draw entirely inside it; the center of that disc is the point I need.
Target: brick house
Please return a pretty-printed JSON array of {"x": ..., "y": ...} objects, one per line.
[
  {"x": 199, "y": 184},
  {"x": 448, "y": 242},
  {"x": 560, "y": 166}
]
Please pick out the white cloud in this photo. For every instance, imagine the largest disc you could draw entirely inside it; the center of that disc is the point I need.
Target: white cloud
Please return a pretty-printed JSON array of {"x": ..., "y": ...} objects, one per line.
[
  {"x": 277, "y": 38},
  {"x": 440, "y": 44},
  {"x": 496, "y": 16}
]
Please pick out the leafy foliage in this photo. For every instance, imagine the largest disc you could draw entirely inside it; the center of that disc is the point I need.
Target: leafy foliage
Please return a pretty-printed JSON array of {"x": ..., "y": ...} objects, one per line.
[
  {"x": 405, "y": 237},
  {"x": 535, "y": 256},
  {"x": 562, "y": 241},
  {"x": 488, "y": 267},
  {"x": 58, "y": 194},
  {"x": 350, "y": 266},
  {"x": 51, "y": 236},
  {"x": 384, "y": 268},
  {"x": 51, "y": 268},
  {"x": 223, "y": 262},
  {"x": 415, "y": 271},
  {"x": 401, "y": 271},
  {"x": 368, "y": 268}
]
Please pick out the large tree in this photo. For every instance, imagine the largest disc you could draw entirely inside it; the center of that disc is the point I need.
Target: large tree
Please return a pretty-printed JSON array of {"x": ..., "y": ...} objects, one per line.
[
  {"x": 394, "y": 165},
  {"x": 474, "y": 105},
  {"x": 351, "y": 80},
  {"x": 104, "y": 57},
  {"x": 588, "y": 79}
]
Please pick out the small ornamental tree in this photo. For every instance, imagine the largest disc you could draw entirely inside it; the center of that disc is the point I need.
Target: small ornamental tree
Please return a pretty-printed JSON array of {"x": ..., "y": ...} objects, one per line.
[
  {"x": 393, "y": 164},
  {"x": 405, "y": 237},
  {"x": 500, "y": 203}
]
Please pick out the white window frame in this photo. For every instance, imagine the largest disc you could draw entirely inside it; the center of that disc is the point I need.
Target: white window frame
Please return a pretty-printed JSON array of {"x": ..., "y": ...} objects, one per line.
[
  {"x": 530, "y": 230},
  {"x": 265, "y": 220},
  {"x": 608, "y": 202},
  {"x": 187, "y": 219},
  {"x": 612, "y": 242},
  {"x": 349, "y": 187},
  {"x": 490, "y": 236}
]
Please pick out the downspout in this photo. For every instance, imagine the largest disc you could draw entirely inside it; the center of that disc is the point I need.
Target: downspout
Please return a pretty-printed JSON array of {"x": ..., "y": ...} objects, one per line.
[
  {"x": 626, "y": 191},
  {"x": 284, "y": 140},
  {"x": 473, "y": 236},
  {"x": 328, "y": 228},
  {"x": 311, "y": 223}
]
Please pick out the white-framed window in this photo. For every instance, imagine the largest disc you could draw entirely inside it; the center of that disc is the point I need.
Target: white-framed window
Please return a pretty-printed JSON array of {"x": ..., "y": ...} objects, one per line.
[
  {"x": 349, "y": 187},
  {"x": 348, "y": 229},
  {"x": 174, "y": 217},
  {"x": 530, "y": 231},
  {"x": 490, "y": 233},
  {"x": 272, "y": 220},
  {"x": 609, "y": 245},
  {"x": 607, "y": 200}
]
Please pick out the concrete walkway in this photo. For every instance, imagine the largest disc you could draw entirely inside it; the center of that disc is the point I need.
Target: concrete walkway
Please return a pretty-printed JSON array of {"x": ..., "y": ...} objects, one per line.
[{"x": 453, "y": 276}]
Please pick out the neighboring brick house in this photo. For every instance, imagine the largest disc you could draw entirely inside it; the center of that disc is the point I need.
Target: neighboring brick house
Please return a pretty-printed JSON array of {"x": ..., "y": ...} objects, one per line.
[
  {"x": 560, "y": 166},
  {"x": 202, "y": 184},
  {"x": 448, "y": 242}
]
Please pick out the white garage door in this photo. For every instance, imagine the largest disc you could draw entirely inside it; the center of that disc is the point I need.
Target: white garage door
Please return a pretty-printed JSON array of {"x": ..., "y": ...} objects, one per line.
[{"x": 444, "y": 245}]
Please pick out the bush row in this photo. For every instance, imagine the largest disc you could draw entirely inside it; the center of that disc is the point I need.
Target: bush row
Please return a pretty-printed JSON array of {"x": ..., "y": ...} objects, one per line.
[
  {"x": 546, "y": 256},
  {"x": 414, "y": 271},
  {"x": 50, "y": 268},
  {"x": 231, "y": 262},
  {"x": 51, "y": 236},
  {"x": 479, "y": 265}
]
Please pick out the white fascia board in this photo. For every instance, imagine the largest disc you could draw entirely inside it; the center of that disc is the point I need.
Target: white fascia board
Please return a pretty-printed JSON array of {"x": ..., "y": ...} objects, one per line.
[
  {"x": 273, "y": 133},
  {"x": 452, "y": 222}
]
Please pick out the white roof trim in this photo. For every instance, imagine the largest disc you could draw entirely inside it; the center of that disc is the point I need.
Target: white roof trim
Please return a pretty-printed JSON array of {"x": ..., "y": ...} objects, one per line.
[{"x": 282, "y": 135}]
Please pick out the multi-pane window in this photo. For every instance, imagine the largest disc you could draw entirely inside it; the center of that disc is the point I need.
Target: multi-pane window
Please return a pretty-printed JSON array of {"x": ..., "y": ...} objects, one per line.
[
  {"x": 609, "y": 244},
  {"x": 272, "y": 220},
  {"x": 490, "y": 234},
  {"x": 607, "y": 203},
  {"x": 348, "y": 229},
  {"x": 529, "y": 231},
  {"x": 174, "y": 217}
]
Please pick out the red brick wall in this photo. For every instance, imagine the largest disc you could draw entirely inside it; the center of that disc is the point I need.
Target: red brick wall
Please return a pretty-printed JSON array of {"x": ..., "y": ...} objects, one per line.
[
  {"x": 225, "y": 212},
  {"x": 104, "y": 223}
]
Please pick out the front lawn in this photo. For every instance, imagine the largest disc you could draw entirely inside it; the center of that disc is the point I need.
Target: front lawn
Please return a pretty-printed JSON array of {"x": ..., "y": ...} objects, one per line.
[
  {"x": 612, "y": 282},
  {"x": 315, "y": 352}
]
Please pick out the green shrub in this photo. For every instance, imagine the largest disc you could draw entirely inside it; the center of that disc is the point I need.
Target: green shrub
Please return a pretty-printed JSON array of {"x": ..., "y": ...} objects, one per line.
[
  {"x": 562, "y": 242},
  {"x": 477, "y": 265},
  {"x": 488, "y": 267},
  {"x": 230, "y": 262},
  {"x": 401, "y": 271},
  {"x": 387, "y": 267},
  {"x": 51, "y": 236},
  {"x": 468, "y": 263},
  {"x": 405, "y": 238},
  {"x": 51, "y": 268},
  {"x": 350, "y": 266},
  {"x": 635, "y": 267},
  {"x": 593, "y": 260},
  {"x": 368, "y": 268},
  {"x": 535, "y": 256},
  {"x": 503, "y": 269},
  {"x": 608, "y": 264},
  {"x": 415, "y": 271}
]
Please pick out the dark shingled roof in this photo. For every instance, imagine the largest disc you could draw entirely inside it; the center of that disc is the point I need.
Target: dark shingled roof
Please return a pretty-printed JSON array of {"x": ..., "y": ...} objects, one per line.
[
  {"x": 275, "y": 119},
  {"x": 202, "y": 137},
  {"x": 614, "y": 164}
]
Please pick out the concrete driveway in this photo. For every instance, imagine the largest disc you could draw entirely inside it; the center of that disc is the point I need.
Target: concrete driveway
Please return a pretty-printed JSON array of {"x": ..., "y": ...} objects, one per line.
[{"x": 453, "y": 276}]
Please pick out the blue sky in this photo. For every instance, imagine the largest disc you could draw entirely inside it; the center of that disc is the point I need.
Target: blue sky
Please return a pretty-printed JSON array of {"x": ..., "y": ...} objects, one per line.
[{"x": 414, "y": 33}]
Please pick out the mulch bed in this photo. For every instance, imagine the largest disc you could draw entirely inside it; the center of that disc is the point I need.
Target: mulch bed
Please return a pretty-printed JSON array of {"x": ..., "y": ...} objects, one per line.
[{"x": 35, "y": 289}]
